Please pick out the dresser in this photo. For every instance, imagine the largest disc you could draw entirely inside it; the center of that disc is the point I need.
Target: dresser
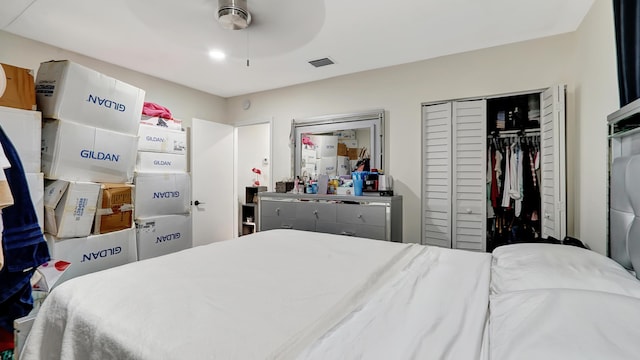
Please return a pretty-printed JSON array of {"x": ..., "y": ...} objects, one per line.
[{"x": 374, "y": 217}]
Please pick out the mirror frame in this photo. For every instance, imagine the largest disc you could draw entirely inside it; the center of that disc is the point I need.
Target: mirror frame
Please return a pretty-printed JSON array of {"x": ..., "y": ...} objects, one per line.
[{"x": 373, "y": 120}]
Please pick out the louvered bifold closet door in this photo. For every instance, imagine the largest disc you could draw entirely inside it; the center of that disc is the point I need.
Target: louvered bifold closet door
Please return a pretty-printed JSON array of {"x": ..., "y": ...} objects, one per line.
[
  {"x": 469, "y": 174},
  {"x": 552, "y": 164},
  {"x": 436, "y": 175}
]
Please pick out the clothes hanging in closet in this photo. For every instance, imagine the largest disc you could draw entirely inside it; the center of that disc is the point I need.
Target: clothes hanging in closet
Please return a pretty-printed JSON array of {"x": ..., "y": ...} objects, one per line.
[{"x": 513, "y": 192}]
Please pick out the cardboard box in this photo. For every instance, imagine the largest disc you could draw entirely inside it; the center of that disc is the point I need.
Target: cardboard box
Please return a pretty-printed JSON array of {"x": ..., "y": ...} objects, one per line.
[
  {"x": 84, "y": 153},
  {"x": 19, "y": 89},
  {"x": 35, "y": 182},
  {"x": 353, "y": 153},
  {"x": 345, "y": 134},
  {"x": 162, "y": 194},
  {"x": 115, "y": 208},
  {"x": 24, "y": 129},
  {"x": 174, "y": 124},
  {"x": 70, "y": 207},
  {"x": 159, "y": 139},
  {"x": 349, "y": 143},
  {"x": 160, "y": 162},
  {"x": 326, "y": 145},
  {"x": 327, "y": 165},
  {"x": 94, "y": 252},
  {"x": 342, "y": 149},
  {"x": 66, "y": 90},
  {"x": 163, "y": 235}
]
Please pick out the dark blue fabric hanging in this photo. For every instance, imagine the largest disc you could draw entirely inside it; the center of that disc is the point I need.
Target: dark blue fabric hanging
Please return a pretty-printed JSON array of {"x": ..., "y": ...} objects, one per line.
[
  {"x": 23, "y": 244},
  {"x": 627, "y": 27}
]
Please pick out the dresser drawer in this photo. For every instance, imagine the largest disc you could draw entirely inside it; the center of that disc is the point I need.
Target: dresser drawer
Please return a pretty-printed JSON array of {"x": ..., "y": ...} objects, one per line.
[
  {"x": 278, "y": 209},
  {"x": 362, "y": 214},
  {"x": 316, "y": 211}
]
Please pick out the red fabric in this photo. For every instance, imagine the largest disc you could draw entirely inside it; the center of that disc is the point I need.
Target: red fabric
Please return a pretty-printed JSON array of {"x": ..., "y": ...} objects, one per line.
[
  {"x": 495, "y": 192},
  {"x": 152, "y": 109},
  {"x": 6, "y": 340}
]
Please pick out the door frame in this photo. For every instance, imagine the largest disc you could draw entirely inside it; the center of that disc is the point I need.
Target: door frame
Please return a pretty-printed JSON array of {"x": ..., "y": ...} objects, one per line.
[{"x": 236, "y": 188}]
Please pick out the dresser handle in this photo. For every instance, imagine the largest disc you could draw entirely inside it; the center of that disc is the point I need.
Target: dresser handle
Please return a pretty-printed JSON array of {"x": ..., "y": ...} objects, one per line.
[
  {"x": 348, "y": 233},
  {"x": 359, "y": 216},
  {"x": 278, "y": 211},
  {"x": 286, "y": 226},
  {"x": 469, "y": 211},
  {"x": 315, "y": 212}
]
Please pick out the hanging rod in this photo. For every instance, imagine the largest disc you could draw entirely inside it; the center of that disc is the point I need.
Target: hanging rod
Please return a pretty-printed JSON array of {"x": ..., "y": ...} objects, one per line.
[{"x": 514, "y": 133}]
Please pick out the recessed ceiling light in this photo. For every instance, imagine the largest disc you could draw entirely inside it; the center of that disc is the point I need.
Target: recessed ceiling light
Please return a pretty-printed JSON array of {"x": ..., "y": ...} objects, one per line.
[{"x": 217, "y": 55}]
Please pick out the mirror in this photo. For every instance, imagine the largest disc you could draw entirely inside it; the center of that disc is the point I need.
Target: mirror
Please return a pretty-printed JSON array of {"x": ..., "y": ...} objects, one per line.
[{"x": 334, "y": 145}]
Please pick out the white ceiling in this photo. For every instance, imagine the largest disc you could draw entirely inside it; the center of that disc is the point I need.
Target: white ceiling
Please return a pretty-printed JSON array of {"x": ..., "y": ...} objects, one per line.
[{"x": 171, "y": 39}]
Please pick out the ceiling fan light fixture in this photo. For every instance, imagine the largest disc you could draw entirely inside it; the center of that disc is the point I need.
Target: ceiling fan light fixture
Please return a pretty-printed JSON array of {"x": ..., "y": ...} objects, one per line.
[{"x": 233, "y": 14}]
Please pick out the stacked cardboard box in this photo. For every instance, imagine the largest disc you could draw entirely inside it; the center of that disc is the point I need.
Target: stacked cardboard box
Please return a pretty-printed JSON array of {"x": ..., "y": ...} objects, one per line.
[
  {"x": 89, "y": 144},
  {"x": 163, "y": 195},
  {"x": 23, "y": 129}
]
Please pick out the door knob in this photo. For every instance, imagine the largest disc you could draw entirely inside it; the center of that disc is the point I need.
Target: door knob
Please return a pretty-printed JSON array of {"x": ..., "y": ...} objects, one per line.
[{"x": 196, "y": 203}]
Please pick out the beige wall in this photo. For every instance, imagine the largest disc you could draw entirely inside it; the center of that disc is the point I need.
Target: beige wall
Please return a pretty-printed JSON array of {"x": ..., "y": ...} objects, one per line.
[
  {"x": 400, "y": 90},
  {"x": 596, "y": 94},
  {"x": 185, "y": 103}
]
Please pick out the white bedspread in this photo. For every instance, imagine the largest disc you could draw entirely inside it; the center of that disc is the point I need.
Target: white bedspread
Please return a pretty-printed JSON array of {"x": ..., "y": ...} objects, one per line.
[{"x": 273, "y": 295}]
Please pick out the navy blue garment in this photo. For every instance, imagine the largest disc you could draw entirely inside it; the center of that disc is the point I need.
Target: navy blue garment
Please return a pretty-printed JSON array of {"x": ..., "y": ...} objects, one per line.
[{"x": 23, "y": 244}]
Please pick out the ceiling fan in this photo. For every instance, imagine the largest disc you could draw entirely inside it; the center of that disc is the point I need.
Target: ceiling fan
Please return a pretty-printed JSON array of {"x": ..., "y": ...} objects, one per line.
[{"x": 233, "y": 14}]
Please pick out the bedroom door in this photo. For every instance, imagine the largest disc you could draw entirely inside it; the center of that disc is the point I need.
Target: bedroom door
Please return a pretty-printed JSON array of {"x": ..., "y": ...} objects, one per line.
[{"x": 212, "y": 179}]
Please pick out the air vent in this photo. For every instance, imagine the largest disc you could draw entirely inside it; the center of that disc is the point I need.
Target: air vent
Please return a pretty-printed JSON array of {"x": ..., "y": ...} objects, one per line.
[{"x": 321, "y": 62}]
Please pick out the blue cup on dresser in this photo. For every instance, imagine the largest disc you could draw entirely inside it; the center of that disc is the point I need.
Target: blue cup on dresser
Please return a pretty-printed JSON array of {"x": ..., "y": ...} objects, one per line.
[{"x": 358, "y": 181}]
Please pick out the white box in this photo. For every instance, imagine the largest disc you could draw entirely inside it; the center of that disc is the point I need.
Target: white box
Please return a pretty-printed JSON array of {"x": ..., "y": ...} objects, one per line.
[
  {"x": 70, "y": 207},
  {"x": 159, "y": 139},
  {"x": 350, "y": 143},
  {"x": 24, "y": 129},
  {"x": 93, "y": 253},
  {"x": 161, "y": 162},
  {"x": 22, "y": 328},
  {"x": 84, "y": 153},
  {"x": 327, "y": 165},
  {"x": 344, "y": 190},
  {"x": 35, "y": 182},
  {"x": 66, "y": 90},
  {"x": 345, "y": 134},
  {"x": 163, "y": 235},
  {"x": 326, "y": 145},
  {"x": 162, "y": 194},
  {"x": 175, "y": 124},
  {"x": 343, "y": 165}
]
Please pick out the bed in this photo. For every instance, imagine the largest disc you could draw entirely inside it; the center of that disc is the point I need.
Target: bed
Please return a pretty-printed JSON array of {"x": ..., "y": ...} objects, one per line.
[{"x": 288, "y": 294}]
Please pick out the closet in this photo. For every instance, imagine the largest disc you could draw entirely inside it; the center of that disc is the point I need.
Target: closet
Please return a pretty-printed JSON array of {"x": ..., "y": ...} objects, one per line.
[{"x": 459, "y": 142}]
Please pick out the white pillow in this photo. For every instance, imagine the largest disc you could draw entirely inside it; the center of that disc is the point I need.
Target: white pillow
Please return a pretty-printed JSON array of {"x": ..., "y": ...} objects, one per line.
[{"x": 542, "y": 266}]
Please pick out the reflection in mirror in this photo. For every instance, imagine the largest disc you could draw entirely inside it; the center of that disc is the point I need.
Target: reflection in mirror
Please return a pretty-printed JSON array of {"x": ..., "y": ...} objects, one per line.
[{"x": 337, "y": 145}]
